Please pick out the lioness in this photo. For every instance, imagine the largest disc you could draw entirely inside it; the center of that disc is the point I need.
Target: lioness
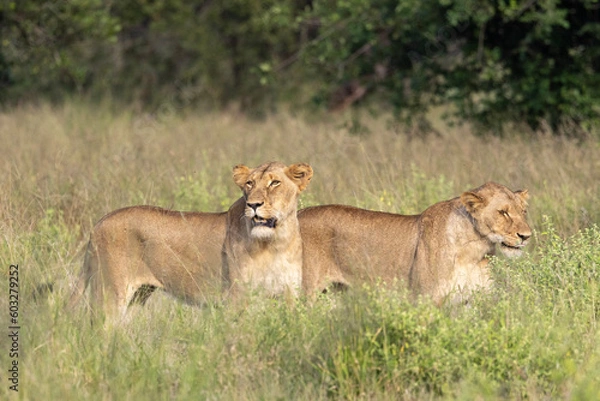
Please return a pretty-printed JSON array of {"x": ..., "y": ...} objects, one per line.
[
  {"x": 133, "y": 251},
  {"x": 262, "y": 248},
  {"x": 439, "y": 252}
]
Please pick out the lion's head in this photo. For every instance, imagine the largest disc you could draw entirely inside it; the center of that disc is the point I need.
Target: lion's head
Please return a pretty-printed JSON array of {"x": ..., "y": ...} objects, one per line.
[
  {"x": 271, "y": 191},
  {"x": 500, "y": 215}
]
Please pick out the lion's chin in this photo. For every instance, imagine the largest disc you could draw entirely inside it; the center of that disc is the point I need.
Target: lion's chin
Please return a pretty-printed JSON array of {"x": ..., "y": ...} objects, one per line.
[
  {"x": 511, "y": 251},
  {"x": 262, "y": 233},
  {"x": 262, "y": 228}
]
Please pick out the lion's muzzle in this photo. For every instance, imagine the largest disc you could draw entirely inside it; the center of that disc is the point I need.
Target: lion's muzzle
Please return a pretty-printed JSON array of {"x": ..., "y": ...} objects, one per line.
[
  {"x": 256, "y": 220},
  {"x": 515, "y": 248}
]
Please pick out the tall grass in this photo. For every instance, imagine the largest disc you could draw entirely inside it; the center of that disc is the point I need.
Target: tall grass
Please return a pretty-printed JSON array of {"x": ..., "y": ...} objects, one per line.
[{"x": 535, "y": 336}]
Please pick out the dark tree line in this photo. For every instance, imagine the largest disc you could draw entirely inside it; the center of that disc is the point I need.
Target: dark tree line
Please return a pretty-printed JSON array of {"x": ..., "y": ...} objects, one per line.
[{"x": 522, "y": 61}]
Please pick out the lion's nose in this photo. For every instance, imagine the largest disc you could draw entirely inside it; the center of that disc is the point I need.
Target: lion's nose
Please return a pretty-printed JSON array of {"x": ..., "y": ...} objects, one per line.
[
  {"x": 255, "y": 206},
  {"x": 524, "y": 237}
]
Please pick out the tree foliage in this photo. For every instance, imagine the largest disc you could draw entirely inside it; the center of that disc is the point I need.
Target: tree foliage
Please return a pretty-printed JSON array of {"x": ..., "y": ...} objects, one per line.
[
  {"x": 53, "y": 47},
  {"x": 493, "y": 61}
]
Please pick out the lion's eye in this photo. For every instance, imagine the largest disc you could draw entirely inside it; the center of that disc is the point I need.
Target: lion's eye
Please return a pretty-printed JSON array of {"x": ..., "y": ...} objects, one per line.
[
  {"x": 249, "y": 184},
  {"x": 274, "y": 183},
  {"x": 503, "y": 213}
]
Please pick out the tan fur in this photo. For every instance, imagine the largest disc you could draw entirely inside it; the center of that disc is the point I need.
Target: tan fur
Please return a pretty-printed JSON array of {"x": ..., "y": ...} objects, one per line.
[
  {"x": 134, "y": 250},
  {"x": 263, "y": 249},
  {"x": 440, "y": 252}
]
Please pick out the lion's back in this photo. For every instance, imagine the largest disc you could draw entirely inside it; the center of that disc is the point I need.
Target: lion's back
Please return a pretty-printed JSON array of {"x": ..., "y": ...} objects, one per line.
[{"x": 349, "y": 245}]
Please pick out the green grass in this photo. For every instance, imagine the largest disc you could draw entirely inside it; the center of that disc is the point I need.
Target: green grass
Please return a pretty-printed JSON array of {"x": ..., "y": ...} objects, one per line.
[{"x": 535, "y": 336}]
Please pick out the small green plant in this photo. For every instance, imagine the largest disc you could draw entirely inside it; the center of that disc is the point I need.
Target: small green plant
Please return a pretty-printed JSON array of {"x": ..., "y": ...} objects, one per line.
[
  {"x": 421, "y": 191},
  {"x": 201, "y": 193},
  {"x": 412, "y": 195}
]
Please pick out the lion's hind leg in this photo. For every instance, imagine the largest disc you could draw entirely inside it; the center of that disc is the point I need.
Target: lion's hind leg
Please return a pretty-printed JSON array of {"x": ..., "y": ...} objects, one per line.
[{"x": 110, "y": 289}]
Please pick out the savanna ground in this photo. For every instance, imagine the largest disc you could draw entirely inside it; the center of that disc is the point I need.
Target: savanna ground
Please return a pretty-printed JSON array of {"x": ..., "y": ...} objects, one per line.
[{"x": 536, "y": 336}]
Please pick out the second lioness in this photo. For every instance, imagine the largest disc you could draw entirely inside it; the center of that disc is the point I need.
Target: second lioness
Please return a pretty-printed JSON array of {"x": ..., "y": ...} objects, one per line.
[
  {"x": 441, "y": 251},
  {"x": 263, "y": 249}
]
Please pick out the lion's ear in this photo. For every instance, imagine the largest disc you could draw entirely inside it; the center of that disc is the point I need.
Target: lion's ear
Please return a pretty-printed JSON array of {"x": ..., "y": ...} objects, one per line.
[
  {"x": 300, "y": 173},
  {"x": 472, "y": 201},
  {"x": 240, "y": 175},
  {"x": 523, "y": 195}
]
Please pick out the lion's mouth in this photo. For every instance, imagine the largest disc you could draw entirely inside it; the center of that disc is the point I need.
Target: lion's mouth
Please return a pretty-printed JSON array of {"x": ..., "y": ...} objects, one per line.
[
  {"x": 517, "y": 247},
  {"x": 258, "y": 221}
]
